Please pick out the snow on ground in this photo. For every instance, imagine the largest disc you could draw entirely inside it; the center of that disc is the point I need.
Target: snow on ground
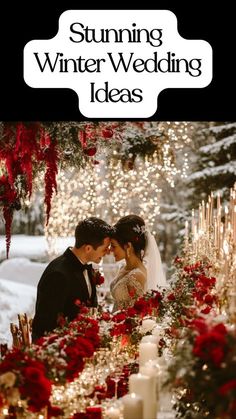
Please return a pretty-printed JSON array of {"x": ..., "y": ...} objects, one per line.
[
  {"x": 14, "y": 299},
  {"x": 19, "y": 276},
  {"x": 32, "y": 247},
  {"x": 22, "y": 270},
  {"x": 18, "y": 279}
]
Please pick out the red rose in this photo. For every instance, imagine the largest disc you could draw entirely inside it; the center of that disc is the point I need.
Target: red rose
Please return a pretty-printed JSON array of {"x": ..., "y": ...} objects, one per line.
[
  {"x": 209, "y": 299},
  {"x": 74, "y": 367},
  {"x": 200, "y": 325},
  {"x": 119, "y": 317},
  {"x": 131, "y": 312},
  {"x": 206, "y": 310},
  {"x": 142, "y": 306},
  {"x": 54, "y": 411},
  {"x": 220, "y": 328},
  {"x": 225, "y": 388},
  {"x": 211, "y": 346},
  {"x": 171, "y": 297},
  {"x": 107, "y": 133},
  {"x": 83, "y": 139},
  {"x": 37, "y": 393},
  {"x": 105, "y": 316},
  {"x": 97, "y": 278},
  {"x": 94, "y": 412},
  {"x": 93, "y": 337},
  {"x": 33, "y": 375},
  {"x": 90, "y": 151}
]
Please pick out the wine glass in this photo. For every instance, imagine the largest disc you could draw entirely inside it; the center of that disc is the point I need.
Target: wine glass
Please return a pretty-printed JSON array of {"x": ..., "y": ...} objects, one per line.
[{"x": 116, "y": 375}]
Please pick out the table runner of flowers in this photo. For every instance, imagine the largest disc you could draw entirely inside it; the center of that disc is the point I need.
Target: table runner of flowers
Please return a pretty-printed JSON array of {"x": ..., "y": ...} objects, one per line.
[{"x": 78, "y": 356}]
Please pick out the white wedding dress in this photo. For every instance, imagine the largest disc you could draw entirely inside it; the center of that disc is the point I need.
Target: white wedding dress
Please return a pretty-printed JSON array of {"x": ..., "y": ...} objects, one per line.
[{"x": 127, "y": 287}]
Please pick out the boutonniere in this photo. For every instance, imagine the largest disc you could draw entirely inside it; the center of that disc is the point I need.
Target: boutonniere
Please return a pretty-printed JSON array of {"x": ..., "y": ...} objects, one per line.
[{"x": 97, "y": 277}]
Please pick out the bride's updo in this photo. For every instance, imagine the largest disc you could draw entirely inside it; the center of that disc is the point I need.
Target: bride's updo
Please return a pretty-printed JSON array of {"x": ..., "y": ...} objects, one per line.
[{"x": 131, "y": 228}]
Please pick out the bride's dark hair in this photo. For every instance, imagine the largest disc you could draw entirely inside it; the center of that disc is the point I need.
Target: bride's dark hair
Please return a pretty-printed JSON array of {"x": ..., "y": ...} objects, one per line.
[{"x": 131, "y": 228}]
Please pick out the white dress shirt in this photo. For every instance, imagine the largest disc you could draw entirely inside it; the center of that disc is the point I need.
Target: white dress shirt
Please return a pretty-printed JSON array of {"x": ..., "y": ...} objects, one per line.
[
  {"x": 88, "y": 282},
  {"x": 85, "y": 272}
]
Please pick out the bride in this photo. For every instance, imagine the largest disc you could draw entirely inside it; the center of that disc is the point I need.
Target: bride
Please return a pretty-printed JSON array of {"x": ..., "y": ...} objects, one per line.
[{"x": 143, "y": 268}]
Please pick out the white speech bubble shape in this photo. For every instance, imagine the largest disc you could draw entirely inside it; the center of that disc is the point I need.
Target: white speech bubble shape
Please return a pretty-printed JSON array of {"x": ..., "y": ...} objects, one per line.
[{"x": 117, "y": 61}]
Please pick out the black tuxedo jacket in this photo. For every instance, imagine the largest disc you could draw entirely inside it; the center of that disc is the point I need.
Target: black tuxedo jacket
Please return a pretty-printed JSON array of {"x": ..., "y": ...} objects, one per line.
[{"x": 60, "y": 285}]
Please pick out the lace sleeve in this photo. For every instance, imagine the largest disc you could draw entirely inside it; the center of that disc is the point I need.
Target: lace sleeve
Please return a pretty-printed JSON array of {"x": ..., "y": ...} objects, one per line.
[
  {"x": 136, "y": 285},
  {"x": 128, "y": 289}
]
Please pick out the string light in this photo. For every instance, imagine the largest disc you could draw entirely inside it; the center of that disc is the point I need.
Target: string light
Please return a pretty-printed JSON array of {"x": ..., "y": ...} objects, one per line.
[{"x": 115, "y": 187}]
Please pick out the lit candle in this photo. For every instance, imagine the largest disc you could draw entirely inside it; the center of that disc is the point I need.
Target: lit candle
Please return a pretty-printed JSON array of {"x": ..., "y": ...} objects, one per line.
[
  {"x": 133, "y": 406},
  {"x": 144, "y": 387},
  {"x": 186, "y": 230},
  {"x": 200, "y": 217},
  {"x": 193, "y": 222},
  {"x": 147, "y": 325},
  {"x": 215, "y": 231},
  {"x": 226, "y": 216},
  {"x": 152, "y": 370},
  {"x": 212, "y": 207},
  {"x": 221, "y": 234},
  {"x": 147, "y": 352},
  {"x": 150, "y": 338},
  {"x": 157, "y": 331},
  {"x": 203, "y": 215},
  {"x": 207, "y": 217},
  {"x": 218, "y": 202},
  {"x": 112, "y": 413},
  {"x": 234, "y": 224}
]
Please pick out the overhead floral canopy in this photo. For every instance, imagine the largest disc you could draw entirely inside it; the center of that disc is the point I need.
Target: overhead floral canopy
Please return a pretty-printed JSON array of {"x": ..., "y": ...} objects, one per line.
[{"x": 30, "y": 148}]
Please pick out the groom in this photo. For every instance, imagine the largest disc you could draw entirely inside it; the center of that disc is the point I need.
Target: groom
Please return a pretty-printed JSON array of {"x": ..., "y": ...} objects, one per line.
[{"x": 68, "y": 278}]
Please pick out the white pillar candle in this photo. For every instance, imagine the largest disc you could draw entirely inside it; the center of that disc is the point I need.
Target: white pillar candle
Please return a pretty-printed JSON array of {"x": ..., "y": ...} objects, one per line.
[
  {"x": 147, "y": 325},
  {"x": 157, "y": 331},
  {"x": 112, "y": 413},
  {"x": 150, "y": 338},
  {"x": 133, "y": 406},
  {"x": 147, "y": 352},
  {"x": 152, "y": 369},
  {"x": 144, "y": 387}
]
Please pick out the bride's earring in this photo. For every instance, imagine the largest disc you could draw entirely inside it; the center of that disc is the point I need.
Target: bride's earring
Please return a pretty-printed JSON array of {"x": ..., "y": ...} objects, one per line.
[{"x": 128, "y": 253}]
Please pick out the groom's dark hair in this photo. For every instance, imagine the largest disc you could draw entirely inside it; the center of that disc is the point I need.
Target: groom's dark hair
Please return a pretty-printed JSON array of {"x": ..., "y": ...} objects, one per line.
[
  {"x": 131, "y": 228},
  {"x": 92, "y": 231}
]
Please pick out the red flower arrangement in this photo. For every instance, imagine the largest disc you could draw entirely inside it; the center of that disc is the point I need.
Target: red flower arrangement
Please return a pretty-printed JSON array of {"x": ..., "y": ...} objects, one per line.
[
  {"x": 192, "y": 292},
  {"x": 92, "y": 133},
  {"x": 205, "y": 365},
  {"x": 97, "y": 277},
  {"x": 125, "y": 323},
  {"x": 22, "y": 147},
  {"x": 64, "y": 352},
  {"x": 23, "y": 376}
]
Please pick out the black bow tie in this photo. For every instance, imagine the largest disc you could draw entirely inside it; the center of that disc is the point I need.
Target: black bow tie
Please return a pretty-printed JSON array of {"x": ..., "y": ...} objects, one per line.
[{"x": 85, "y": 266}]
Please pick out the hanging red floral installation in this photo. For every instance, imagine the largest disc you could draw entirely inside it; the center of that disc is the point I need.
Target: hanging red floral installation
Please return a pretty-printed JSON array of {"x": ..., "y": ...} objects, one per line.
[
  {"x": 31, "y": 147},
  {"x": 22, "y": 148}
]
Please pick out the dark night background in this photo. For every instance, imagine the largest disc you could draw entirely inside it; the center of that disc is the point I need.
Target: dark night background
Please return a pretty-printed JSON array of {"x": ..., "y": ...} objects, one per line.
[{"x": 21, "y": 23}]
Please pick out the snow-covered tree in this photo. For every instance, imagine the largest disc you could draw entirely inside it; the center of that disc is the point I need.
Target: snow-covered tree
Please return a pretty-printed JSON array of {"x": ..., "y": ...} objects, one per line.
[{"x": 215, "y": 161}]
